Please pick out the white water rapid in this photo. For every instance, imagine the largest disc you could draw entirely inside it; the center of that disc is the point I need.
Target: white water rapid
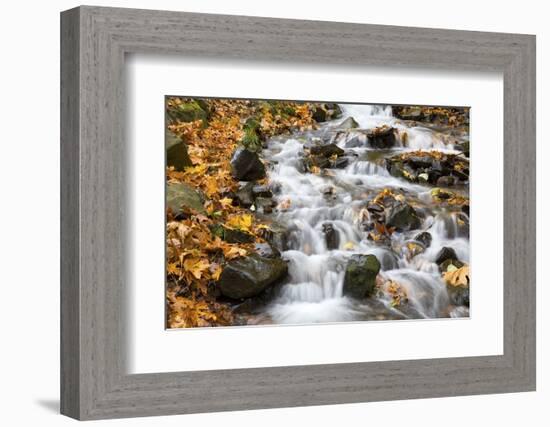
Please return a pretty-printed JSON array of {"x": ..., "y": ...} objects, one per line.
[{"x": 313, "y": 292}]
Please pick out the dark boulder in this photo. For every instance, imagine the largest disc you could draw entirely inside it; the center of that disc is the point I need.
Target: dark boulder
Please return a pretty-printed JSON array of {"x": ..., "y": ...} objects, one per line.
[
  {"x": 360, "y": 276},
  {"x": 246, "y": 165},
  {"x": 444, "y": 254},
  {"x": 446, "y": 181},
  {"x": 425, "y": 238},
  {"x": 382, "y": 137},
  {"x": 265, "y": 250},
  {"x": 250, "y": 275},
  {"x": 331, "y": 236},
  {"x": 326, "y": 150},
  {"x": 319, "y": 114},
  {"x": 403, "y": 217},
  {"x": 176, "y": 152}
]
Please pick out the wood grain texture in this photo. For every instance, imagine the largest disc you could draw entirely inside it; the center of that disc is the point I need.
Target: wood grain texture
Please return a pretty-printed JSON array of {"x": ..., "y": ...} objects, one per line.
[{"x": 94, "y": 238}]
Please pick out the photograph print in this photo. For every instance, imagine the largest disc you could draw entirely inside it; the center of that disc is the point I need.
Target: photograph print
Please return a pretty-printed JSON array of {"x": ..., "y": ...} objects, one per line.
[{"x": 296, "y": 212}]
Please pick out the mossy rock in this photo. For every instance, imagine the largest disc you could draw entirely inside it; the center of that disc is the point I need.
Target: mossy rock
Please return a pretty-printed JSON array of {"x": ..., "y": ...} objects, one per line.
[
  {"x": 360, "y": 276},
  {"x": 189, "y": 111},
  {"x": 181, "y": 198},
  {"x": 176, "y": 152}
]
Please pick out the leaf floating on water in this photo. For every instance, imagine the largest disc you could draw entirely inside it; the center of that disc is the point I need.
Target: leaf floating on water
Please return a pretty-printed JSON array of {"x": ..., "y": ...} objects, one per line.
[{"x": 349, "y": 246}]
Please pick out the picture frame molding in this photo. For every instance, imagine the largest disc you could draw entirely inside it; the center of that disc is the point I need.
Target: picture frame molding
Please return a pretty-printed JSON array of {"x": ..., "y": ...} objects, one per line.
[{"x": 94, "y": 235}]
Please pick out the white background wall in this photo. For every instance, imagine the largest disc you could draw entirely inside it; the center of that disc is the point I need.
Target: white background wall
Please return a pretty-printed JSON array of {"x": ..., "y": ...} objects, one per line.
[{"x": 29, "y": 212}]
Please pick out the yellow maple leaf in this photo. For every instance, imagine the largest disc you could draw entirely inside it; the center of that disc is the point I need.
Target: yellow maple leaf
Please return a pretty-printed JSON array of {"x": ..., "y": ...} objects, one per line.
[
  {"x": 458, "y": 277},
  {"x": 226, "y": 202},
  {"x": 240, "y": 222},
  {"x": 196, "y": 266}
]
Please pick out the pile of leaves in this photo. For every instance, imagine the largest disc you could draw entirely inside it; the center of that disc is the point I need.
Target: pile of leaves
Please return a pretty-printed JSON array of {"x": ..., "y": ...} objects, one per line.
[{"x": 211, "y": 130}]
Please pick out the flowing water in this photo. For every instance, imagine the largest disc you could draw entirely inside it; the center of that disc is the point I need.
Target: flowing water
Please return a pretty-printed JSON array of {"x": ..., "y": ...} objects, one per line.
[{"x": 313, "y": 291}]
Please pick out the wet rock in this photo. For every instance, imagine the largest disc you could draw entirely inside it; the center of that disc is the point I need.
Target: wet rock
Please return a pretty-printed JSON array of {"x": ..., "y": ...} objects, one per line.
[
  {"x": 349, "y": 123},
  {"x": 444, "y": 266},
  {"x": 265, "y": 250},
  {"x": 446, "y": 181},
  {"x": 444, "y": 254},
  {"x": 277, "y": 236},
  {"x": 381, "y": 137},
  {"x": 331, "y": 236},
  {"x": 403, "y": 217},
  {"x": 360, "y": 276},
  {"x": 261, "y": 191},
  {"x": 182, "y": 198},
  {"x": 250, "y": 275},
  {"x": 176, "y": 152},
  {"x": 429, "y": 167},
  {"x": 246, "y": 165},
  {"x": 339, "y": 163},
  {"x": 425, "y": 238},
  {"x": 231, "y": 235},
  {"x": 264, "y": 204},
  {"x": 333, "y": 110},
  {"x": 327, "y": 150},
  {"x": 459, "y": 295},
  {"x": 356, "y": 140},
  {"x": 244, "y": 195},
  {"x": 319, "y": 114},
  {"x": 413, "y": 248}
]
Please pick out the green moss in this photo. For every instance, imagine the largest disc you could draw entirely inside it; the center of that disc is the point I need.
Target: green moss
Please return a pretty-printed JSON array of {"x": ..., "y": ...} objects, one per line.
[{"x": 189, "y": 111}]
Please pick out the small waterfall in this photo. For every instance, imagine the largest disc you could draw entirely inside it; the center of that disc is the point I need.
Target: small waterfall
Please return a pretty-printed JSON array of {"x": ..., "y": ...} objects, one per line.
[{"x": 323, "y": 216}]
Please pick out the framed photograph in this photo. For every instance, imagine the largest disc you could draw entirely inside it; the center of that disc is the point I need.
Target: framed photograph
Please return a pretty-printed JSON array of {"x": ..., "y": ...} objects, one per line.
[{"x": 306, "y": 213}]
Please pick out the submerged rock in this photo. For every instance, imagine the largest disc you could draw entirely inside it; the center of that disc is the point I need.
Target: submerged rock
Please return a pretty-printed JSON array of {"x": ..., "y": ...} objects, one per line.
[
  {"x": 244, "y": 195},
  {"x": 246, "y": 165},
  {"x": 250, "y": 275},
  {"x": 182, "y": 197},
  {"x": 360, "y": 276}
]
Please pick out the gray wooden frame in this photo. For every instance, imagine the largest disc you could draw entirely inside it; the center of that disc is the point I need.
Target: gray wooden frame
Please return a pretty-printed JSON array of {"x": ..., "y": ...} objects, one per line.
[{"x": 94, "y": 41}]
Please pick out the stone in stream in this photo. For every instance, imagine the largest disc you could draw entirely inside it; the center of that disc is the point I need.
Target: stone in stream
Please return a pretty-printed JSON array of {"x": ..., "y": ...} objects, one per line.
[
  {"x": 444, "y": 266},
  {"x": 276, "y": 235},
  {"x": 264, "y": 204},
  {"x": 250, "y": 275},
  {"x": 459, "y": 295},
  {"x": 261, "y": 191},
  {"x": 265, "y": 250},
  {"x": 331, "y": 236},
  {"x": 446, "y": 181},
  {"x": 176, "y": 152},
  {"x": 244, "y": 195},
  {"x": 444, "y": 254},
  {"x": 382, "y": 137},
  {"x": 181, "y": 198},
  {"x": 360, "y": 276},
  {"x": 356, "y": 140},
  {"x": 349, "y": 123},
  {"x": 319, "y": 114},
  {"x": 425, "y": 238},
  {"x": 403, "y": 217},
  {"x": 326, "y": 150},
  {"x": 246, "y": 165}
]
